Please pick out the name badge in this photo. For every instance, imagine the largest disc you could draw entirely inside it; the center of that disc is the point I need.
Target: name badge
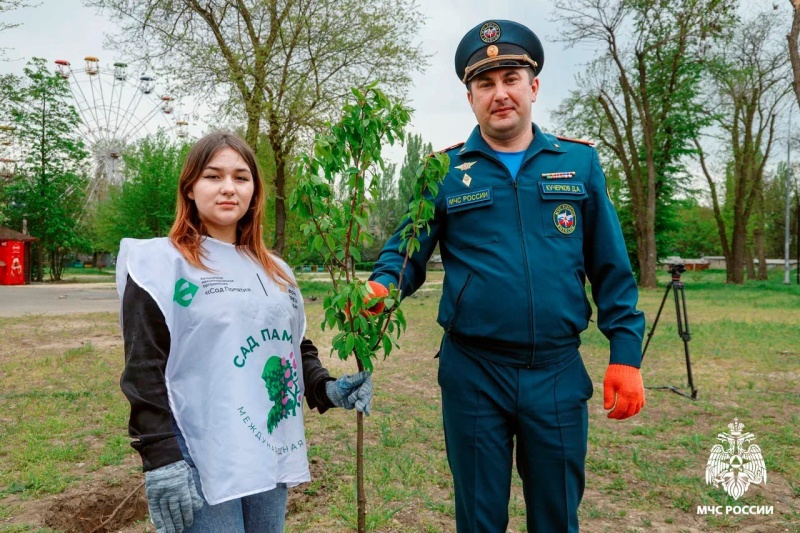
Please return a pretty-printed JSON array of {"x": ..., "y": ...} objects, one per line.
[
  {"x": 469, "y": 200},
  {"x": 577, "y": 189}
]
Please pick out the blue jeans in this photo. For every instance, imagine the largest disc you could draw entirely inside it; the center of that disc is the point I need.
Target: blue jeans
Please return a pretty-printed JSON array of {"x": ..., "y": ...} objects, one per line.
[{"x": 264, "y": 512}]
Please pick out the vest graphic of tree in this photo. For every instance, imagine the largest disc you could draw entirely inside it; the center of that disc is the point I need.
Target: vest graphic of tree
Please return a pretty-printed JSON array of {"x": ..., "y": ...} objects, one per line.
[{"x": 280, "y": 378}]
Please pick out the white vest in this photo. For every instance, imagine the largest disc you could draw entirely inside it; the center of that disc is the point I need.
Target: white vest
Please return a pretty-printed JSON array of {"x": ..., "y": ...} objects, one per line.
[{"x": 234, "y": 373}]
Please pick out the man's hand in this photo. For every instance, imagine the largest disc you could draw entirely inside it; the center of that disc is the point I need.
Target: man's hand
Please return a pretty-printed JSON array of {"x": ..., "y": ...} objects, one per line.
[
  {"x": 623, "y": 390},
  {"x": 378, "y": 291},
  {"x": 172, "y": 497},
  {"x": 351, "y": 391},
  {"x": 374, "y": 290}
]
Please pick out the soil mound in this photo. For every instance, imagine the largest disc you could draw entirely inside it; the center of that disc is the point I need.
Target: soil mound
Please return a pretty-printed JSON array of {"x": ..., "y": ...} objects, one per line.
[{"x": 99, "y": 507}]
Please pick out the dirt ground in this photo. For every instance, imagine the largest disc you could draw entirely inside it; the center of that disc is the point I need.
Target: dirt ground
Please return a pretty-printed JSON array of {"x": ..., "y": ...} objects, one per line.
[{"x": 112, "y": 498}]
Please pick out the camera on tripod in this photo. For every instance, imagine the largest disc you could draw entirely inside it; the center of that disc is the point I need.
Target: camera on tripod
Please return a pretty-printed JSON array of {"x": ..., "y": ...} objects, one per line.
[
  {"x": 676, "y": 270},
  {"x": 676, "y": 287}
]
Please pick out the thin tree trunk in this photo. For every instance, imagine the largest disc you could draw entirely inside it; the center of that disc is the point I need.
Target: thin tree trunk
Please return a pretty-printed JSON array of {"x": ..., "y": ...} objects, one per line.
[
  {"x": 252, "y": 131},
  {"x": 361, "y": 495},
  {"x": 797, "y": 235},
  {"x": 39, "y": 262},
  {"x": 749, "y": 263},
  {"x": 646, "y": 249},
  {"x": 647, "y": 266},
  {"x": 279, "y": 242},
  {"x": 737, "y": 264},
  {"x": 761, "y": 252},
  {"x": 759, "y": 233}
]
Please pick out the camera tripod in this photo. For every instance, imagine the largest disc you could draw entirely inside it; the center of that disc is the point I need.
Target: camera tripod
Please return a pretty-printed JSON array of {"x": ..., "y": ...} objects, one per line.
[{"x": 676, "y": 286}]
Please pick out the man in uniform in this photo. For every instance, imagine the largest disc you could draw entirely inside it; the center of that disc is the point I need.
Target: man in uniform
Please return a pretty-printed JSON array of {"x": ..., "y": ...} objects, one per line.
[{"x": 522, "y": 219}]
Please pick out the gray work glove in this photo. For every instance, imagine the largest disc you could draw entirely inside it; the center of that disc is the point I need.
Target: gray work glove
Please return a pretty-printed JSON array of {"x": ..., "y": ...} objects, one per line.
[
  {"x": 351, "y": 391},
  {"x": 172, "y": 497}
]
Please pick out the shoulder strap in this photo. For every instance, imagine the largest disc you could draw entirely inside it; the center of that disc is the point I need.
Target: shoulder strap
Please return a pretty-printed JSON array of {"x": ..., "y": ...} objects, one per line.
[
  {"x": 581, "y": 141},
  {"x": 457, "y": 145}
]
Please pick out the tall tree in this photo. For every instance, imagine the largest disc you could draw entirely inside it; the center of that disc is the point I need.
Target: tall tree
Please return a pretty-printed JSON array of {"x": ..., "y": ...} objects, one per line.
[
  {"x": 143, "y": 206},
  {"x": 283, "y": 66},
  {"x": 746, "y": 89},
  {"x": 697, "y": 235},
  {"x": 794, "y": 47},
  {"x": 384, "y": 215},
  {"x": 640, "y": 94},
  {"x": 393, "y": 191},
  {"x": 9, "y": 83},
  {"x": 48, "y": 187},
  {"x": 775, "y": 212},
  {"x": 416, "y": 152}
]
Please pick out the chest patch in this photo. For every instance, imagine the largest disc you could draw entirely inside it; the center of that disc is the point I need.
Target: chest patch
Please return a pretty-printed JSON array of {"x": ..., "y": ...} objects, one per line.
[
  {"x": 469, "y": 200},
  {"x": 578, "y": 189},
  {"x": 565, "y": 218}
]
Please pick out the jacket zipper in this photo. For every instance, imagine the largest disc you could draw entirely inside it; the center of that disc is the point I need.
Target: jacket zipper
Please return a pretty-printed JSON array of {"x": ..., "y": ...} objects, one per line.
[
  {"x": 458, "y": 303},
  {"x": 527, "y": 271}
]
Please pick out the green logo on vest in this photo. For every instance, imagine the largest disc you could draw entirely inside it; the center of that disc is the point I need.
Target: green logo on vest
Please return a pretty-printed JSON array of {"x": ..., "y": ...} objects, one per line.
[
  {"x": 184, "y": 292},
  {"x": 280, "y": 378}
]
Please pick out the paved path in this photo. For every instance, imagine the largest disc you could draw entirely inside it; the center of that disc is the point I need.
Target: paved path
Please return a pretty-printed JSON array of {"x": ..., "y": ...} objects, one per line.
[
  {"x": 58, "y": 299},
  {"x": 69, "y": 298}
]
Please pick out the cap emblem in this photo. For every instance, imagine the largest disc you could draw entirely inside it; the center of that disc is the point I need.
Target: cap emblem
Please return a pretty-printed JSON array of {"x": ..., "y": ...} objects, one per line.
[
  {"x": 492, "y": 51},
  {"x": 490, "y": 32}
]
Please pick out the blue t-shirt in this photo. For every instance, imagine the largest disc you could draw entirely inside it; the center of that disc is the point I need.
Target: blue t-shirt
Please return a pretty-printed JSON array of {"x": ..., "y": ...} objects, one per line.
[{"x": 512, "y": 161}]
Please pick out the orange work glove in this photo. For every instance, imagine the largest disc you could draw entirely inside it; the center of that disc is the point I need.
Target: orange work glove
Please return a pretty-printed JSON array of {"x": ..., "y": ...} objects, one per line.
[
  {"x": 623, "y": 390},
  {"x": 378, "y": 291}
]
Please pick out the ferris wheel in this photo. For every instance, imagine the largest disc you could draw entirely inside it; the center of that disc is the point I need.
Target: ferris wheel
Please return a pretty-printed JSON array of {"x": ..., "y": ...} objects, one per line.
[
  {"x": 116, "y": 109},
  {"x": 8, "y": 163}
]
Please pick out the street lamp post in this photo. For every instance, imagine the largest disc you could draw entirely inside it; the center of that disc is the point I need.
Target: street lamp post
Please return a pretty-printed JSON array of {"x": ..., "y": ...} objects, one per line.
[{"x": 787, "y": 228}]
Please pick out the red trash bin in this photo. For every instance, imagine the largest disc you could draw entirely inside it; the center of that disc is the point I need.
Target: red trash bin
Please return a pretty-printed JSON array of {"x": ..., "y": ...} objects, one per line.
[{"x": 12, "y": 262}]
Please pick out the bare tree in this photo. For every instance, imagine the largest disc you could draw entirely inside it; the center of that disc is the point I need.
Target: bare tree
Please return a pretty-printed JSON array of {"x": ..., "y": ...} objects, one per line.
[
  {"x": 747, "y": 86},
  {"x": 642, "y": 92},
  {"x": 281, "y": 66}
]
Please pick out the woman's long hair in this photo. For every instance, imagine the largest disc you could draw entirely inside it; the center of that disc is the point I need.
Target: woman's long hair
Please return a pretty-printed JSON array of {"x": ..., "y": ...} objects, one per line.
[{"x": 188, "y": 230}]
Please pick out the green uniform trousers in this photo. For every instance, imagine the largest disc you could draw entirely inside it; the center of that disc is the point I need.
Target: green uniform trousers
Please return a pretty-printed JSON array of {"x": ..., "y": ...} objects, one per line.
[{"x": 485, "y": 406}]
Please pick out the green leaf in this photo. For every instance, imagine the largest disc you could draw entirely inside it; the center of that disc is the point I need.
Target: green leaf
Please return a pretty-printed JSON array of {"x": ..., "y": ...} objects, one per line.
[
  {"x": 387, "y": 345},
  {"x": 367, "y": 362}
]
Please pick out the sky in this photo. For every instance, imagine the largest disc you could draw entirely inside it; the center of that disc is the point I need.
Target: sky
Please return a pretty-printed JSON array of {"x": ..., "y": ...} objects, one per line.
[{"x": 65, "y": 29}]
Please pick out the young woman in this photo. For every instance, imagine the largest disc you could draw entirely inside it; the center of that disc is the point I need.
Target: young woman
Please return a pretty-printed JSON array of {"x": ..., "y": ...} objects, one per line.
[{"x": 216, "y": 365}]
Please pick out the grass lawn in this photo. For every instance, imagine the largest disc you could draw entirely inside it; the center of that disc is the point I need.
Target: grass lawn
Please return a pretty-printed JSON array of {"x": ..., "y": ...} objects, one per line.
[
  {"x": 63, "y": 422},
  {"x": 88, "y": 275}
]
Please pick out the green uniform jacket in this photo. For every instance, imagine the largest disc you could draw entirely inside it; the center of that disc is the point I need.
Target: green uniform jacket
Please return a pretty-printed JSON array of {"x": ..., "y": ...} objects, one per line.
[{"x": 517, "y": 254}]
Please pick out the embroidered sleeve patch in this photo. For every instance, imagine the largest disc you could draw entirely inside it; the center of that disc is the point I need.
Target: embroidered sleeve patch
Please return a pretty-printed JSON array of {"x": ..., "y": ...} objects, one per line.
[
  {"x": 562, "y": 188},
  {"x": 565, "y": 218},
  {"x": 469, "y": 200}
]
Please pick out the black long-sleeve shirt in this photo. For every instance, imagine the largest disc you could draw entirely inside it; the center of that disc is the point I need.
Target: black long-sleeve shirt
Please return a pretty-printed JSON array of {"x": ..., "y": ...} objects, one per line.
[{"x": 147, "y": 344}]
